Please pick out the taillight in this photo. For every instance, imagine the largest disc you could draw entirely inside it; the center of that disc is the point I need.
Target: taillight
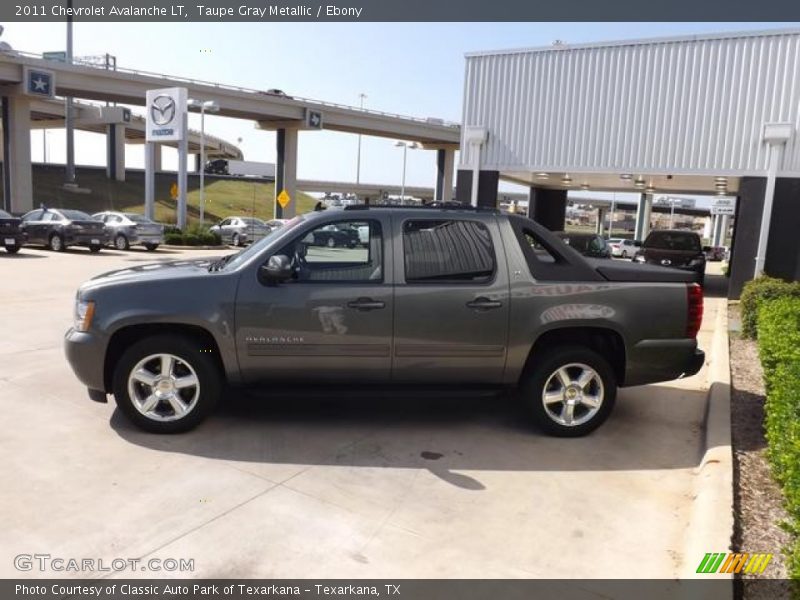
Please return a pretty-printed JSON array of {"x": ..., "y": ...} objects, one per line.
[{"x": 694, "y": 309}]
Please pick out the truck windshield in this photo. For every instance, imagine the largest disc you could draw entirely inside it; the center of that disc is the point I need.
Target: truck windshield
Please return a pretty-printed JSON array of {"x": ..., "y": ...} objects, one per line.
[
  {"x": 673, "y": 240},
  {"x": 234, "y": 260}
]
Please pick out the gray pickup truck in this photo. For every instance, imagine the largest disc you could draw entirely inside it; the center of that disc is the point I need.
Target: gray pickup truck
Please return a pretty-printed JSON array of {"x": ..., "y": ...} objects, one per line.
[{"x": 464, "y": 298}]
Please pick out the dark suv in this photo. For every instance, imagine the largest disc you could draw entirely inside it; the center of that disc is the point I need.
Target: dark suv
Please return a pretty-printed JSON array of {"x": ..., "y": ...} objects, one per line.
[
  {"x": 430, "y": 297},
  {"x": 676, "y": 249}
]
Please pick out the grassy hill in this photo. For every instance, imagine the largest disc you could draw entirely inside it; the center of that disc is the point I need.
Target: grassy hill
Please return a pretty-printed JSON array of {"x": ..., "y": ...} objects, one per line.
[{"x": 223, "y": 197}]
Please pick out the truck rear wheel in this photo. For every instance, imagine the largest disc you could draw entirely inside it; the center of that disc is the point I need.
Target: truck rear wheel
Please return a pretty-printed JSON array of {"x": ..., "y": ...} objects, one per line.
[
  {"x": 166, "y": 384},
  {"x": 570, "y": 392}
]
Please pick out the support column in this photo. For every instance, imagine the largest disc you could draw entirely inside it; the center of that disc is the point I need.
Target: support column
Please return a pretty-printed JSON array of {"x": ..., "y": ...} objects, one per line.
[
  {"x": 280, "y": 161},
  {"x": 716, "y": 231},
  {"x": 643, "y": 212},
  {"x": 197, "y": 163},
  {"x": 115, "y": 151},
  {"x": 488, "y": 184},
  {"x": 548, "y": 207},
  {"x": 183, "y": 180},
  {"x": 290, "y": 172},
  {"x": 726, "y": 221},
  {"x": 445, "y": 161},
  {"x": 600, "y": 227},
  {"x": 17, "y": 178}
]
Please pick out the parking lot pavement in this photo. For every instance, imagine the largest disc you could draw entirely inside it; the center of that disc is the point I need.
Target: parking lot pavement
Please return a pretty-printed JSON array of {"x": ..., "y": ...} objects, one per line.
[{"x": 330, "y": 486}]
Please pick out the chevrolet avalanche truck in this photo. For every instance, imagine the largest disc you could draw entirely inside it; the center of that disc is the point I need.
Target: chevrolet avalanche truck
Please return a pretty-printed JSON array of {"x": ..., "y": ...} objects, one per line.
[{"x": 460, "y": 298}]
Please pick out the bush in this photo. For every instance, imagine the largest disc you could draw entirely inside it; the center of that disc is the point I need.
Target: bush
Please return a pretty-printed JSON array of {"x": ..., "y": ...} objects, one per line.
[
  {"x": 193, "y": 236},
  {"x": 779, "y": 350},
  {"x": 778, "y": 335},
  {"x": 758, "y": 290}
]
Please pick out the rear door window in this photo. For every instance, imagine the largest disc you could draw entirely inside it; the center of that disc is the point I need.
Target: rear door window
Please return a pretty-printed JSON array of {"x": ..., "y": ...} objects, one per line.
[{"x": 447, "y": 251}]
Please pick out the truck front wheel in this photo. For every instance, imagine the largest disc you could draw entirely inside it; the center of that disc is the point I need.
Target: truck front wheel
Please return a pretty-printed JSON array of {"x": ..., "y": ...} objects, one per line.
[
  {"x": 570, "y": 392},
  {"x": 166, "y": 384}
]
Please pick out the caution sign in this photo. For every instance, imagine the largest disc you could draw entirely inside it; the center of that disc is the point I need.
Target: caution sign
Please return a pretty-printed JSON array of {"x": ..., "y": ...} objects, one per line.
[
  {"x": 173, "y": 191},
  {"x": 284, "y": 199}
]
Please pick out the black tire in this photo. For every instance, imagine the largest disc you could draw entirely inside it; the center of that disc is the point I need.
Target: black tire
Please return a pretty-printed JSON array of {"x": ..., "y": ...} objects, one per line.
[
  {"x": 151, "y": 247},
  {"x": 94, "y": 249},
  {"x": 189, "y": 352},
  {"x": 56, "y": 243},
  {"x": 235, "y": 240},
  {"x": 624, "y": 254},
  {"x": 538, "y": 375},
  {"x": 13, "y": 249},
  {"x": 121, "y": 242},
  {"x": 330, "y": 242}
]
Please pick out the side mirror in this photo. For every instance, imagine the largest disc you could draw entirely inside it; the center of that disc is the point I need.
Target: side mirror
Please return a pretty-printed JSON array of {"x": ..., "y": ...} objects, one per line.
[
  {"x": 277, "y": 269},
  {"x": 706, "y": 248}
]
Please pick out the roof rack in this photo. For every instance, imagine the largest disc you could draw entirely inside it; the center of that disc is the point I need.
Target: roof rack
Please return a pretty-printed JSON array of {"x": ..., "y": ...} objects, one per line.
[{"x": 431, "y": 206}]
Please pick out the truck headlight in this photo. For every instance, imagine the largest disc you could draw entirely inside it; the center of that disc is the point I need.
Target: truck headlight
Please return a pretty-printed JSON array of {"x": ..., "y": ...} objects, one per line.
[{"x": 84, "y": 312}]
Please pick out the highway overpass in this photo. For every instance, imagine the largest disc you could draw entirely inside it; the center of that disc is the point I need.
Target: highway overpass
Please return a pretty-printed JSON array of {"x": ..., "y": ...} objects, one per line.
[{"x": 282, "y": 113}]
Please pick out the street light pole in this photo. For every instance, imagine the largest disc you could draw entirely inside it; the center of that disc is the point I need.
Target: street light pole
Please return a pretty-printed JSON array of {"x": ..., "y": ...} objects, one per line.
[
  {"x": 358, "y": 158},
  {"x": 211, "y": 106},
  {"x": 611, "y": 217},
  {"x": 68, "y": 117},
  {"x": 405, "y": 146}
]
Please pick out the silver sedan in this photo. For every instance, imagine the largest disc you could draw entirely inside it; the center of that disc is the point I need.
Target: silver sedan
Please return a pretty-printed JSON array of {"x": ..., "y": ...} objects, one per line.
[{"x": 239, "y": 231}]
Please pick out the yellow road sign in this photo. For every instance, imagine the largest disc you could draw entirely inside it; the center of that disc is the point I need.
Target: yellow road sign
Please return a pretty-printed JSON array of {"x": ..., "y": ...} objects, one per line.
[
  {"x": 173, "y": 191},
  {"x": 284, "y": 199}
]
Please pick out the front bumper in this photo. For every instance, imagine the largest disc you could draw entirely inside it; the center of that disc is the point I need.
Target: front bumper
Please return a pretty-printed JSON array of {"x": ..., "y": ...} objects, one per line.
[
  {"x": 652, "y": 361},
  {"x": 86, "y": 355}
]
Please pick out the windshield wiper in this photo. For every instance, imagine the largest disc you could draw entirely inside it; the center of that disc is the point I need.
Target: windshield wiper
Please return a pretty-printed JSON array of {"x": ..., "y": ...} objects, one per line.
[{"x": 217, "y": 265}]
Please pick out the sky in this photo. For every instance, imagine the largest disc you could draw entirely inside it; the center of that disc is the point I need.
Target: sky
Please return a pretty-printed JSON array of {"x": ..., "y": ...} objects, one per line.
[{"x": 413, "y": 69}]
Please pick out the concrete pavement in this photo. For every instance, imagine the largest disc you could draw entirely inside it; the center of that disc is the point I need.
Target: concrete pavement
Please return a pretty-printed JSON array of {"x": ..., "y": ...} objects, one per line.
[{"x": 330, "y": 487}]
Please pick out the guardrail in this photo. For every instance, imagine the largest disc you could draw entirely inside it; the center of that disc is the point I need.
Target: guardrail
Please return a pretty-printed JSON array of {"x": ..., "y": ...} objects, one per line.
[{"x": 234, "y": 88}]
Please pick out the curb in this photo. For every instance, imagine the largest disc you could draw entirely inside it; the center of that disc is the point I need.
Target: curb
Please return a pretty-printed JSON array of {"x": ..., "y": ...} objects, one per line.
[
  {"x": 710, "y": 526},
  {"x": 170, "y": 246}
]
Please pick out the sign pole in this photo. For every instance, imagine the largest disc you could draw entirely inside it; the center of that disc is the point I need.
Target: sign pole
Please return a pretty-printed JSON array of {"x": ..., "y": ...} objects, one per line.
[
  {"x": 149, "y": 180},
  {"x": 183, "y": 154}
]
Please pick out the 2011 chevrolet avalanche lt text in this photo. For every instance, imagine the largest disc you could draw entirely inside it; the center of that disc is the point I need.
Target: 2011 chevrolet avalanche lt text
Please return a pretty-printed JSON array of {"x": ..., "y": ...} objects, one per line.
[{"x": 434, "y": 296}]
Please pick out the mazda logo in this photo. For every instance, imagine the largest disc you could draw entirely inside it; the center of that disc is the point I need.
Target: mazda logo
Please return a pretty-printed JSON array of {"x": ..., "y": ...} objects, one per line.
[
  {"x": 162, "y": 110},
  {"x": 666, "y": 262}
]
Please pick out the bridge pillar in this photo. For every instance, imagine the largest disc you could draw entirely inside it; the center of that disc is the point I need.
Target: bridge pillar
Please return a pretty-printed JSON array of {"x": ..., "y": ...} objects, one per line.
[
  {"x": 600, "y": 228},
  {"x": 643, "y": 211},
  {"x": 445, "y": 161},
  {"x": 115, "y": 151},
  {"x": 286, "y": 171},
  {"x": 488, "y": 182},
  {"x": 548, "y": 207},
  {"x": 198, "y": 165},
  {"x": 17, "y": 178}
]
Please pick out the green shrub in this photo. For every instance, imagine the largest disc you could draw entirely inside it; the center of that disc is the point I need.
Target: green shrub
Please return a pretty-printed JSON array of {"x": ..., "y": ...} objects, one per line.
[
  {"x": 758, "y": 290},
  {"x": 193, "y": 236},
  {"x": 778, "y": 335},
  {"x": 171, "y": 229},
  {"x": 779, "y": 350}
]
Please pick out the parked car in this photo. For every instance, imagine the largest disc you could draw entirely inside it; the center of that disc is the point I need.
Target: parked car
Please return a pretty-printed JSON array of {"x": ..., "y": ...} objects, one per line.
[
  {"x": 588, "y": 244},
  {"x": 674, "y": 248},
  {"x": 239, "y": 231},
  {"x": 276, "y": 223},
  {"x": 462, "y": 298},
  {"x": 130, "y": 229},
  {"x": 12, "y": 237},
  {"x": 715, "y": 253},
  {"x": 59, "y": 228},
  {"x": 336, "y": 236},
  {"x": 622, "y": 248}
]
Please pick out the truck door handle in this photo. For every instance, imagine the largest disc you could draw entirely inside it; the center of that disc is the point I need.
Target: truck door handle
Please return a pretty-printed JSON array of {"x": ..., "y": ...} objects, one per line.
[
  {"x": 366, "y": 304},
  {"x": 483, "y": 303}
]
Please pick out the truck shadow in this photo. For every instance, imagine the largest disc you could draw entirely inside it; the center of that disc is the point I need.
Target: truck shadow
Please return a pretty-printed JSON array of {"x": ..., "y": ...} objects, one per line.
[{"x": 651, "y": 428}]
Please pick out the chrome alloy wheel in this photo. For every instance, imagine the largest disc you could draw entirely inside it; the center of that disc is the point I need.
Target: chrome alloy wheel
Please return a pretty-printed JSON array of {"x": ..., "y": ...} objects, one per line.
[
  {"x": 163, "y": 387},
  {"x": 573, "y": 394}
]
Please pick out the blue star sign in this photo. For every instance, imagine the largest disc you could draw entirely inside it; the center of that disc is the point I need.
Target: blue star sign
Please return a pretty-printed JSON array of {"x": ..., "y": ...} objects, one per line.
[{"x": 40, "y": 83}]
